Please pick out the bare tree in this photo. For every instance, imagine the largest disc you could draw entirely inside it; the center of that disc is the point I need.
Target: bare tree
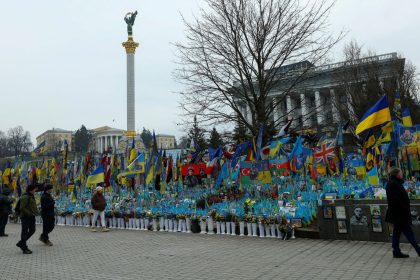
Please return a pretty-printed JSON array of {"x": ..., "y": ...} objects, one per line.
[
  {"x": 4, "y": 145},
  {"x": 235, "y": 53},
  {"x": 19, "y": 140}
]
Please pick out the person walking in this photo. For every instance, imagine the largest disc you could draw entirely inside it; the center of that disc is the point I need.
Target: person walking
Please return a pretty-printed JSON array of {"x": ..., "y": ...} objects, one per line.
[
  {"x": 399, "y": 213},
  {"x": 98, "y": 205},
  {"x": 5, "y": 210},
  {"x": 47, "y": 214},
  {"x": 27, "y": 212}
]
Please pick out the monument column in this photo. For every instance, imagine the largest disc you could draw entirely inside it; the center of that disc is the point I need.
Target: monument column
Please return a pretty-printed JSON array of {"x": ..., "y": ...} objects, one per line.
[{"x": 130, "y": 49}]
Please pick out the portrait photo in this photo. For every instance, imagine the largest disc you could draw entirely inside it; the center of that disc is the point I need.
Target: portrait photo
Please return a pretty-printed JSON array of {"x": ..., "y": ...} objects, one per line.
[
  {"x": 359, "y": 218},
  {"x": 328, "y": 212},
  {"x": 342, "y": 226}
]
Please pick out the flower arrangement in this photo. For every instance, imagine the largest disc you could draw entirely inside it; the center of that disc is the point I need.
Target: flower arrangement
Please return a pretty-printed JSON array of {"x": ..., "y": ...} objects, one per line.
[
  {"x": 219, "y": 217},
  {"x": 149, "y": 214},
  {"x": 212, "y": 213}
]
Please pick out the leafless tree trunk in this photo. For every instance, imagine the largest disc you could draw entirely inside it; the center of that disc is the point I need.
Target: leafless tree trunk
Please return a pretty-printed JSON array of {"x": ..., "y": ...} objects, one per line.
[{"x": 235, "y": 51}]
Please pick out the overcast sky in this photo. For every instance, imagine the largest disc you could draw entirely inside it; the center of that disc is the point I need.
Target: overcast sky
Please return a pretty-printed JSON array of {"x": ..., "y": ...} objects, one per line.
[{"x": 62, "y": 64}]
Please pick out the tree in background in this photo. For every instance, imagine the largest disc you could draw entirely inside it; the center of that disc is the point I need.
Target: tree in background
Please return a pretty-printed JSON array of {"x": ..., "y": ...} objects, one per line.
[
  {"x": 240, "y": 134},
  {"x": 215, "y": 140},
  {"x": 196, "y": 133},
  {"x": 184, "y": 142},
  {"x": 237, "y": 51},
  {"x": 82, "y": 139},
  {"x": 4, "y": 146},
  {"x": 147, "y": 137},
  {"x": 19, "y": 140}
]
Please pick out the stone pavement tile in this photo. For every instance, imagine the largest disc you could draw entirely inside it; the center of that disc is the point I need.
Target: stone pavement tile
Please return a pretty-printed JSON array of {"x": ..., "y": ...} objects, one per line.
[{"x": 122, "y": 254}]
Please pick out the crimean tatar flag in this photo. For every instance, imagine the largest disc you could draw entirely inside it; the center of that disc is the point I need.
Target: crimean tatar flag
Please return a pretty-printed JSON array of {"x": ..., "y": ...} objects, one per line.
[{"x": 376, "y": 115}]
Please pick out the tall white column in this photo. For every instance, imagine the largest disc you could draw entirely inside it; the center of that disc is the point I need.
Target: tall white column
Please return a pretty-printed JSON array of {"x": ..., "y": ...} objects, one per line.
[
  {"x": 319, "y": 113},
  {"x": 288, "y": 105},
  {"x": 275, "y": 110},
  {"x": 304, "y": 110},
  {"x": 334, "y": 106},
  {"x": 130, "y": 93},
  {"x": 130, "y": 48}
]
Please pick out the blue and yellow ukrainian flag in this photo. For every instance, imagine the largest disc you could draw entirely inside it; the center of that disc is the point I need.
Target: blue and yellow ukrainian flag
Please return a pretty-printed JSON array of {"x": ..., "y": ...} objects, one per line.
[
  {"x": 376, "y": 115},
  {"x": 373, "y": 179},
  {"x": 406, "y": 118},
  {"x": 96, "y": 176}
]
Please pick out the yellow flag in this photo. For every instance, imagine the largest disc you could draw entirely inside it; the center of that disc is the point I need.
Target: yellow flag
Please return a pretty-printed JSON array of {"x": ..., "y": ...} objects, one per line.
[
  {"x": 133, "y": 155},
  {"x": 5, "y": 176},
  {"x": 149, "y": 177},
  {"x": 264, "y": 177}
]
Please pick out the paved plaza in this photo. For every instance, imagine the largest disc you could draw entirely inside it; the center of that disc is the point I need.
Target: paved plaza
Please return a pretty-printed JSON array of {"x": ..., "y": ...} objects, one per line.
[{"x": 124, "y": 254}]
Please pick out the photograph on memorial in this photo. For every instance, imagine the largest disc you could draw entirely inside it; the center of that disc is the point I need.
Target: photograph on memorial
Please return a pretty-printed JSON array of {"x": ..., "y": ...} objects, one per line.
[
  {"x": 377, "y": 225},
  {"x": 340, "y": 212},
  {"x": 296, "y": 222},
  {"x": 359, "y": 218},
  {"x": 328, "y": 212},
  {"x": 342, "y": 226},
  {"x": 375, "y": 211},
  {"x": 415, "y": 219}
]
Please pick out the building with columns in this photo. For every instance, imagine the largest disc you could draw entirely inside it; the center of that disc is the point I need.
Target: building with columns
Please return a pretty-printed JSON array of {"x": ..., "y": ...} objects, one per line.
[
  {"x": 106, "y": 137},
  {"x": 316, "y": 102},
  {"x": 165, "y": 141}
]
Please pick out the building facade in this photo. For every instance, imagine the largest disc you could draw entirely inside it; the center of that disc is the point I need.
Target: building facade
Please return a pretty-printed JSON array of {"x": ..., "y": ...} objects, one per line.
[
  {"x": 53, "y": 140},
  {"x": 165, "y": 141},
  {"x": 106, "y": 137},
  {"x": 315, "y": 103}
]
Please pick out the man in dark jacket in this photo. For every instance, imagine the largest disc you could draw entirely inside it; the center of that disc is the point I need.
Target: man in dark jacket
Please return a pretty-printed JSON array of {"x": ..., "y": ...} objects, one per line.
[
  {"x": 28, "y": 212},
  {"x": 5, "y": 209},
  {"x": 98, "y": 205},
  {"x": 47, "y": 214},
  {"x": 398, "y": 213}
]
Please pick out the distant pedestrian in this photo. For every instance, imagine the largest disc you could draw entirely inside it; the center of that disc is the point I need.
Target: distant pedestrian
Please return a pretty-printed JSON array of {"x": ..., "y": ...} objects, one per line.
[
  {"x": 398, "y": 213},
  {"x": 5, "y": 209},
  {"x": 27, "y": 212},
  {"x": 47, "y": 214},
  {"x": 98, "y": 205}
]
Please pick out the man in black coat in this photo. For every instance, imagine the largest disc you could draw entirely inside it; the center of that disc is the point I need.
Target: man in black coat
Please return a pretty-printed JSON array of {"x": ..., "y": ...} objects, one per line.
[
  {"x": 398, "y": 213},
  {"x": 5, "y": 209},
  {"x": 47, "y": 214}
]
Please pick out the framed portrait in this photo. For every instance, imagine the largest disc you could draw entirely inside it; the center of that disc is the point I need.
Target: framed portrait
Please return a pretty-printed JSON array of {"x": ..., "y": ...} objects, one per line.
[
  {"x": 375, "y": 211},
  {"x": 342, "y": 226},
  {"x": 296, "y": 222},
  {"x": 328, "y": 212},
  {"x": 377, "y": 225},
  {"x": 340, "y": 212},
  {"x": 358, "y": 217}
]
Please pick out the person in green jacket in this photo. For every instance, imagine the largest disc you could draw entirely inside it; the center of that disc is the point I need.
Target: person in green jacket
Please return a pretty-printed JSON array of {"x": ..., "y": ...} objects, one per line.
[{"x": 28, "y": 212}]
